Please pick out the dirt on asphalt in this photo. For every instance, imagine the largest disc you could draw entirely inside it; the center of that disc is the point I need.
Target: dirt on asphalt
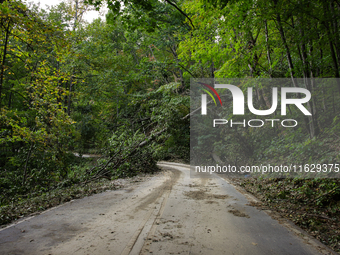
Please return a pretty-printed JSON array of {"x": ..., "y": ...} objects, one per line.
[{"x": 173, "y": 212}]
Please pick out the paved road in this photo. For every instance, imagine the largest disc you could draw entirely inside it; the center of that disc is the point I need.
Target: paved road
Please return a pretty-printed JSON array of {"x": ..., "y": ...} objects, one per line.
[{"x": 171, "y": 213}]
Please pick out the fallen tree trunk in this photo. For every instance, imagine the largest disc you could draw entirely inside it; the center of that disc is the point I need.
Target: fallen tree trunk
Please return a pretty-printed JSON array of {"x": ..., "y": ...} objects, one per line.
[{"x": 103, "y": 172}]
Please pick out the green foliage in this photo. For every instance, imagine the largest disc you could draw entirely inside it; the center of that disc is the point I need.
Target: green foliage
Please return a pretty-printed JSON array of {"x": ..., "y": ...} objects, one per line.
[
  {"x": 123, "y": 145},
  {"x": 312, "y": 204},
  {"x": 120, "y": 88},
  {"x": 157, "y": 110}
]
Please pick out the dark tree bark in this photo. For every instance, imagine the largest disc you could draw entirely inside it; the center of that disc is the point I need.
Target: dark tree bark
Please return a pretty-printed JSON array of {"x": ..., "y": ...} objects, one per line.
[
  {"x": 331, "y": 46},
  {"x": 3, "y": 60},
  {"x": 285, "y": 44},
  {"x": 268, "y": 48}
]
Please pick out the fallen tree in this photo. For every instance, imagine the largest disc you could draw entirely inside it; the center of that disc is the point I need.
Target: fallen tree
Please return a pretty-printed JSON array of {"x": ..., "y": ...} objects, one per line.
[
  {"x": 161, "y": 130},
  {"x": 104, "y": 170}
]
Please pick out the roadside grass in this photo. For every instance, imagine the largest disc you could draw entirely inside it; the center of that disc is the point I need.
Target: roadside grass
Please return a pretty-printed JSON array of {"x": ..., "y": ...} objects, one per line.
[
  {"x": 75, "y": 185},
  {"x": 312, "y": 204},
  {"x": 40, "y": 202}
]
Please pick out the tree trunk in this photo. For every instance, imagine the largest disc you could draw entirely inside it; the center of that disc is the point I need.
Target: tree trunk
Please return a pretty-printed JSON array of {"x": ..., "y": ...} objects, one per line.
[
  {"x": 173, "y": 50},
  {"x": 314, "y": 88},
  {"x": 288, "y": 55},
  {"x": 26, "y": 164},
  {"x": 69, "y": 99},
  {"x": 153, "y": 56},
  {"x": 335, "y": 31},
  {"x": 75, "y": 17},
  {"x": 69, "y": 96},
  {"x": 335, "y": 62},
  {"x": 268, "y": 48},
  {"x": 212, "y": 69},
  {"x": 3, "y": 60}
]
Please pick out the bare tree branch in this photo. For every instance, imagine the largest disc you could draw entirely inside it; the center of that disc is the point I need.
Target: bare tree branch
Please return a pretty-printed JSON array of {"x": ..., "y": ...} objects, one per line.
[{"x": 184, "y": 14}]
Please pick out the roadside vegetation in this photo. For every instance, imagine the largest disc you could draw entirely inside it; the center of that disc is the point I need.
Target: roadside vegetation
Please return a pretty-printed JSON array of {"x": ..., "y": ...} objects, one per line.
[
  {"x": 68, "y": 86},
  {"x": 311, "y": 204},
  {"x": 119, "y": 87}
]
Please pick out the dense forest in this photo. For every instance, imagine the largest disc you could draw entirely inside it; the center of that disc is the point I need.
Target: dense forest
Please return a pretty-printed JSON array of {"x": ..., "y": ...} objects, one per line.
[{"x": 120, "y": 88}]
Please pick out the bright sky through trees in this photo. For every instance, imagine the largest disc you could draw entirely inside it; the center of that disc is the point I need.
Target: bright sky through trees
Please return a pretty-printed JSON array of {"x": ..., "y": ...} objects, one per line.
[{"x": 89, "y": 15}]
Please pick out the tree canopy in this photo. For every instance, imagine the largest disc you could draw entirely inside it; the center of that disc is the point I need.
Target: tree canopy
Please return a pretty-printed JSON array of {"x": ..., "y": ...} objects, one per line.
[{"x": 120, "y": 87}]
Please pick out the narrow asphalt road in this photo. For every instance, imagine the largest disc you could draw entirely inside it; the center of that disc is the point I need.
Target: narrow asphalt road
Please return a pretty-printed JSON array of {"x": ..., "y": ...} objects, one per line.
[{"x": 171, "y": 213}]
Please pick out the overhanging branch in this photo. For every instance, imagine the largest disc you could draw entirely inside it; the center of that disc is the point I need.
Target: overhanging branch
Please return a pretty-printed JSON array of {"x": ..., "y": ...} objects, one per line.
[{"x": 184, "y": 14}]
